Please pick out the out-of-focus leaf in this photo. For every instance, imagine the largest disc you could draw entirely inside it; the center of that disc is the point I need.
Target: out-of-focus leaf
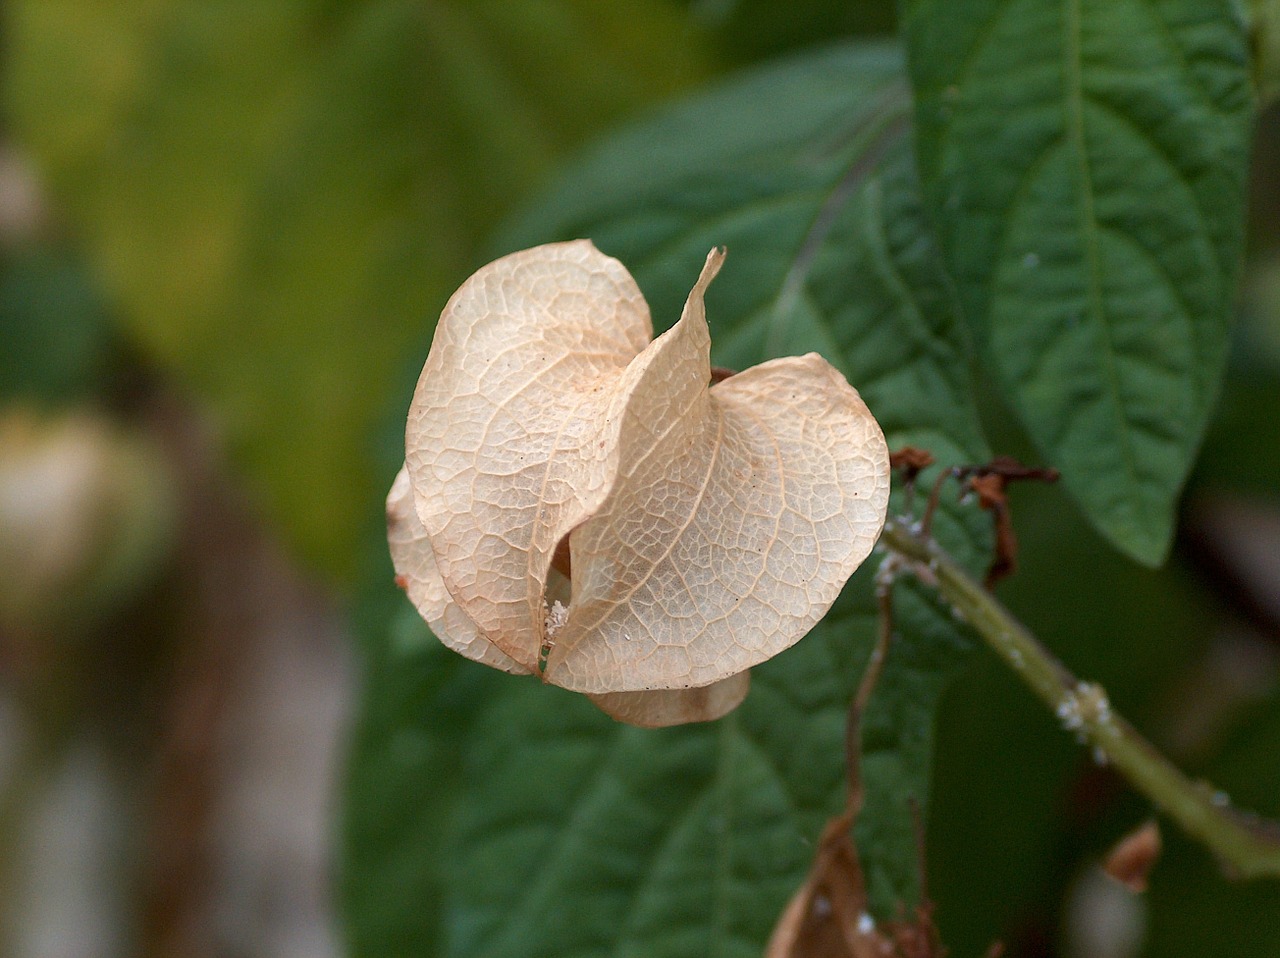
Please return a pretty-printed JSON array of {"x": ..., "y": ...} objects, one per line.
[
  {"x": 751, "y": 29},
  {"x": 1085, "y": 162},
  {"x": 55, "y": 338},
  {"x": 1240, "y": 451},
  {"x": 1196, "y": 912},
  {"x": 280, "y": 193},
  {"x": 575, "y": 835},
  {"x": 1264, "y": 30}
]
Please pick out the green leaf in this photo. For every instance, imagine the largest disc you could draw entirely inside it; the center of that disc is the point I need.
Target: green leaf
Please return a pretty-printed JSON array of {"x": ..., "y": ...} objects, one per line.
[
  {"x": 1264, "y": 26},
  {"x": 753, "y": 29},
  {"x": 55, "y": 336},
  {"x": 420, "y": 700},
  {"x": 571, "y": 834},
  {"x": 581, "y": 836},
  {"x": 1085, "y": 163},
  {"x": 280, "y": 194}
]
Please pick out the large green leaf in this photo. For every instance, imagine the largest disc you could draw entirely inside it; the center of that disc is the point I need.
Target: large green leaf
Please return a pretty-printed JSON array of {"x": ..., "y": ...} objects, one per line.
[
  {"x": 1085, "y": 162},
  {"x": 571, "y": 834},
  {"x": 279, "y": 194}
]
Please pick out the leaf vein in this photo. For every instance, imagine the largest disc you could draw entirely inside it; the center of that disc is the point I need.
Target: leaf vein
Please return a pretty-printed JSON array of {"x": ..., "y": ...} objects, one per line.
[{"x": 1075, "y": 126}]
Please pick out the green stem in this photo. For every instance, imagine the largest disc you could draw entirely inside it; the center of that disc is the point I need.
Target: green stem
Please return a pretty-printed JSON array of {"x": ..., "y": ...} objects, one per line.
[{"x": 1248, "y": 845}]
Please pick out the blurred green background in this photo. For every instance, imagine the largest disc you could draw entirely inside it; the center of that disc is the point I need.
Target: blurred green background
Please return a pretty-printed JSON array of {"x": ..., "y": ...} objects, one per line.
[{"x": 225, "y": 231}]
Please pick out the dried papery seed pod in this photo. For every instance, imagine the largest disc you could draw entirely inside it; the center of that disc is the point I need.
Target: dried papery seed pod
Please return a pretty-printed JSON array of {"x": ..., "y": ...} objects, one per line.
[{"x": 709, "y": 526}]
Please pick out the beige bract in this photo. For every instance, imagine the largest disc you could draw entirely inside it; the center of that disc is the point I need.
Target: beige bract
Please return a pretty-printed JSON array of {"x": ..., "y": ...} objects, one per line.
[{"x": 708, "y": 527}]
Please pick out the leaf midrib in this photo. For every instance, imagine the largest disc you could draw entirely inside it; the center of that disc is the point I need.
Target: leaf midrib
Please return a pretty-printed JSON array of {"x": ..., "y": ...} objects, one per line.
[{"x": 1073, "y": 68}]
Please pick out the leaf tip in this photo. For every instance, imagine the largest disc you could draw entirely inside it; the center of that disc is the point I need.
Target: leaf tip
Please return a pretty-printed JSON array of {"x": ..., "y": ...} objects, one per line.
[{"x": 1146, "y": 540}]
